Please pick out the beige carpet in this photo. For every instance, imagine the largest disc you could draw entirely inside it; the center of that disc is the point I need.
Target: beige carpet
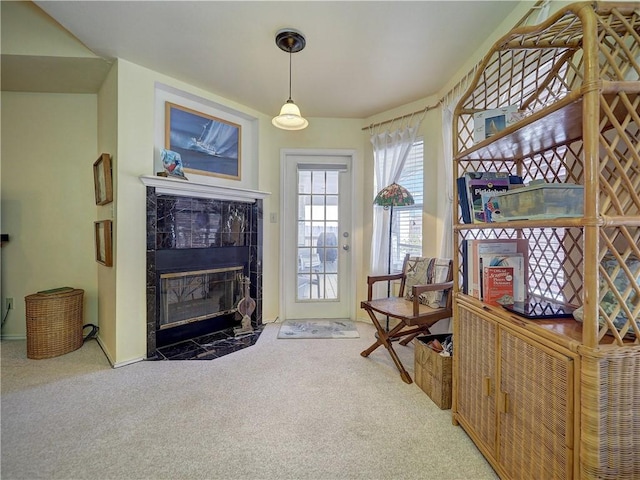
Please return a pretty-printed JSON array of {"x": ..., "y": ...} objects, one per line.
[{"x": 305, "y": 409}]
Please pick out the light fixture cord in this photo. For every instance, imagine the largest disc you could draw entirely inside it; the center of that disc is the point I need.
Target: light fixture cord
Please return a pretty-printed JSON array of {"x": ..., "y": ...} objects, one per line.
[{"x": 289, "y": 73}]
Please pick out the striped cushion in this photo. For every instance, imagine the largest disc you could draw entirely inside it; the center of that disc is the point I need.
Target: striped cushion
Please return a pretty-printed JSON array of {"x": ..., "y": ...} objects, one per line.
[{"x": 423, "y": 271}]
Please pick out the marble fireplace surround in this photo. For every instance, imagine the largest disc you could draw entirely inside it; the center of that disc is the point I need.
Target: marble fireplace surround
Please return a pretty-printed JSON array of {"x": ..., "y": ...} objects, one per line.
[{"x": 166, "y": 201}]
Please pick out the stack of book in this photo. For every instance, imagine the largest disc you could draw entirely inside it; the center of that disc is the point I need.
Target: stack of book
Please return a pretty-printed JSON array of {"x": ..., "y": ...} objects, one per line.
[
  {"x": 496, "y": 271},
  {"x": 472, "y": 185}
]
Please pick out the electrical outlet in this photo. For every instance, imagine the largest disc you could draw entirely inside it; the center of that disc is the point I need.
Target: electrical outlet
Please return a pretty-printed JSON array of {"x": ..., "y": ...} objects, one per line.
[{"x": 9, "y": 302}]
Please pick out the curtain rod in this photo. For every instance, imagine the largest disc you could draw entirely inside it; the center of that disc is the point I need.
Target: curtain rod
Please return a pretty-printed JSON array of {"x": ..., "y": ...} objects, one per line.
[{"x": 424, "y": 110}]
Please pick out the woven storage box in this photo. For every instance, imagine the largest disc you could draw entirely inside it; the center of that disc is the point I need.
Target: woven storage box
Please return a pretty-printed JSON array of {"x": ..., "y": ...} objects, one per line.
[
  {"x": 54, "y": 323},
  {"x": 433, "y": 371}
]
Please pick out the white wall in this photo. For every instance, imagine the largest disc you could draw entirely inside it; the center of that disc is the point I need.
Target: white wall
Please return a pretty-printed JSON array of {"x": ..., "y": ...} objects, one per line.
[
  {"x": 106, "y": 276},
  {"x": 20, "y": 21},
  {"x": 49, "y": 144},
  {"x": 136, "y": 115},
  {"x": 126, "y": 119}
]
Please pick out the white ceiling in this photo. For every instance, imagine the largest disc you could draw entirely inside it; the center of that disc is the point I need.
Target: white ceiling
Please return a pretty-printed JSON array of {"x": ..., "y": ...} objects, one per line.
[{"x": 361, "y": 57}]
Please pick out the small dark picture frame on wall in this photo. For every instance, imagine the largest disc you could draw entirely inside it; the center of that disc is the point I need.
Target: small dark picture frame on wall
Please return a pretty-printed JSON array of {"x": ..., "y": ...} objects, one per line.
[
  {"x": 102, "y": 182},
  {"x": 103, "y": 242}
]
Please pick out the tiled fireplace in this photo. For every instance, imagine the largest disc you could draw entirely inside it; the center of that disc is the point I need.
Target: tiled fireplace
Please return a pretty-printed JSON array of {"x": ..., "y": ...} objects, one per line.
[{"x": 202, "y": 242}]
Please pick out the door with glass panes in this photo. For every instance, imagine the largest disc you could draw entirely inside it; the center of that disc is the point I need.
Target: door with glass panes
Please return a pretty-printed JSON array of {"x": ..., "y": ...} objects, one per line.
[{"x": 316, "y": 235}]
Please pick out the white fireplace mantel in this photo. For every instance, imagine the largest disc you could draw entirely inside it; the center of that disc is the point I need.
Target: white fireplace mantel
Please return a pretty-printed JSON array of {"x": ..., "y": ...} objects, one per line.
[{"x": 188, "y": 188}]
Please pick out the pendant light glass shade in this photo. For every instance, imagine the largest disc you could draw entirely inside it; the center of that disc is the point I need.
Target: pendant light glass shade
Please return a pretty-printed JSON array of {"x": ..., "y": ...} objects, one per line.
[
  {"x": 290, "y": 41},
  {"x": 290, "y": 118}
]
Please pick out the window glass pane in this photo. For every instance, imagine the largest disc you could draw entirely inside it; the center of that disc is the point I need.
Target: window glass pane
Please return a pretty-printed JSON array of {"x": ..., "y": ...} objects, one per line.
[
  {"x": 413, "y": 171},
  {"x": 407, "y": 221}
]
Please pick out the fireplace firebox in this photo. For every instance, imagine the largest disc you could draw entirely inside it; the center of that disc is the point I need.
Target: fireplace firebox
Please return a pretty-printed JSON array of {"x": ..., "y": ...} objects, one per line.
[{"x": 187, "y": 297}]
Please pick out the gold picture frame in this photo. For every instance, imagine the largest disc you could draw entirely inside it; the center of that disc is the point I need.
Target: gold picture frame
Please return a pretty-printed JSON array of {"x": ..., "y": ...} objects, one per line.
[
  {"x": 207, "y": 145},
  {"x": 103, "y": 232},
  {"x": 102, "y": 181}
]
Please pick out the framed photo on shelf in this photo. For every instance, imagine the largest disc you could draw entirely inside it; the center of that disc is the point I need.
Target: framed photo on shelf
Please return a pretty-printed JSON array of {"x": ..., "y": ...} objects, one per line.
[
  {"x": 207, "y": 145},
  {"x": 102, "y": 181},
  {"x": 104, "y": 253}
]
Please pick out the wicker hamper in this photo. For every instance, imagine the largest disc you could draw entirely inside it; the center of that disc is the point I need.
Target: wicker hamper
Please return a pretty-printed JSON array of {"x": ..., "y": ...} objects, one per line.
[
  {"x": 54, "y": 323},
  {"x": 433, "y": 371}
]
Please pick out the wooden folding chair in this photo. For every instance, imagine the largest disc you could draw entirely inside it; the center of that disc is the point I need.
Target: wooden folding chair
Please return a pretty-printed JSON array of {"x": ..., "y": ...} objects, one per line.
[{"x": 428, "y": 283}]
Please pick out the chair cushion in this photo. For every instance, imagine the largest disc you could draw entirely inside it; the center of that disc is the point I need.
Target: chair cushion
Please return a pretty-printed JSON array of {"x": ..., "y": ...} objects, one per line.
[{"x": 423, "y": 271}]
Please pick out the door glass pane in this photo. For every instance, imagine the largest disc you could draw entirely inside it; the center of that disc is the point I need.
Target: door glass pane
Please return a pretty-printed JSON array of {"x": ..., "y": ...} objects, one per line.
[
  {"x": 318, "y": 225},
  {"x": 304, "y": 182},
  {"x": 332, "y": 182},
  {"x": 302, "y": 201},
  {"x": 318, "y": 182}
]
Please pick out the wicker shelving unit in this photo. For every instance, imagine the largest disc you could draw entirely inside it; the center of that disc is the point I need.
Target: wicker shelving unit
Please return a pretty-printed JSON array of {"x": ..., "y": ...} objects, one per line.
[{"x": 557, "y": 398}]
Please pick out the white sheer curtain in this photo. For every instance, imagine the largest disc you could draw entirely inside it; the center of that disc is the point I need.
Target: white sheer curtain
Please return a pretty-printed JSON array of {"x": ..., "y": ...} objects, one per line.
[
  {"x": 446, "y": 247},
  {"x": 449, "y": 103},
  {"x": 390, "y": 150}
]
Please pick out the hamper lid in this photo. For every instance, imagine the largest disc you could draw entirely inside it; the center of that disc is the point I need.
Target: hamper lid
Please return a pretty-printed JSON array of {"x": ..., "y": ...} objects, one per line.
[{"x": 55, "y": 293}]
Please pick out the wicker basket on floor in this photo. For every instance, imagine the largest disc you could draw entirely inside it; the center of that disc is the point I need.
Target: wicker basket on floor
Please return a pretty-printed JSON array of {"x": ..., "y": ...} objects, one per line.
[{"x": 54, "y": 323}]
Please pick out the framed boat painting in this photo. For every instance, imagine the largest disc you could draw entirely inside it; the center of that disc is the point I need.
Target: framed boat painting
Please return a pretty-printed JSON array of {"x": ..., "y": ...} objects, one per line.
[{"x": 207, "y": 145}]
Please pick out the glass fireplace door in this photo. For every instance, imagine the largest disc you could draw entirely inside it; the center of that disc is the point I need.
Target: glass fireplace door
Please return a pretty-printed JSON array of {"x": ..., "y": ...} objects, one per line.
[{"x": 187, "y": 297}]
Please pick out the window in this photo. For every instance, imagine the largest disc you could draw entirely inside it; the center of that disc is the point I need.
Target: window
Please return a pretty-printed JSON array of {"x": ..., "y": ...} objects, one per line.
[{"x": 407, "y": 221}]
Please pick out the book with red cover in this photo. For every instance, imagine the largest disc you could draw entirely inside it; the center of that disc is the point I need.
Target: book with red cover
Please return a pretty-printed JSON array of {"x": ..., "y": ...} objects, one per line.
[
  {"x": 515, "y": 260},
  {"x": 477, "y": 247},
  {"x": 498, "y": 285}
]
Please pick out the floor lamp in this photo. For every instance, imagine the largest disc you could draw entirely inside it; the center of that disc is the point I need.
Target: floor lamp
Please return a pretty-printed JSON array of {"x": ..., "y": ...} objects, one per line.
[{"x": 393, "y": 195}]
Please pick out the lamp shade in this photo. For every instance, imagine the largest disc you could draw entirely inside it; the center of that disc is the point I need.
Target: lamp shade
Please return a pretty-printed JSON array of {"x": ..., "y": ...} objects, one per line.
[
  {"x": 290, "y": 118},
  {"x": 394, "y": 195}
]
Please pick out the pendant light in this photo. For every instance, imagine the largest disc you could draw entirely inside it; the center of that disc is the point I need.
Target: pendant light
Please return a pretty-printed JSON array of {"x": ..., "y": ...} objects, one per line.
[{"x": 290, "y": 41}]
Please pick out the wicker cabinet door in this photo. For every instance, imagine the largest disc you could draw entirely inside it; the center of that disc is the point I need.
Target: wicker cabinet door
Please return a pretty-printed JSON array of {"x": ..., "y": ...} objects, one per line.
[
  {"x": 535, "y": 410},
  {"x": 476, "y": 364}
]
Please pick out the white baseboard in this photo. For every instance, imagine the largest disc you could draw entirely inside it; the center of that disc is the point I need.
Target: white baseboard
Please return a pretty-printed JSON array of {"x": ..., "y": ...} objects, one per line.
[
  {"x": 13, "y": 337},
  {"x": 110, "y": 359},
  {"x": 128, "y": 362}
]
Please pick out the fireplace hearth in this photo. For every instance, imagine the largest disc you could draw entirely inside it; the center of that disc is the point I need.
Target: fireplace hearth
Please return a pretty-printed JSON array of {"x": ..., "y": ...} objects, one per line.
[
  {"x": 198, "y": 252},
  {"x": 208, "y": 347}
]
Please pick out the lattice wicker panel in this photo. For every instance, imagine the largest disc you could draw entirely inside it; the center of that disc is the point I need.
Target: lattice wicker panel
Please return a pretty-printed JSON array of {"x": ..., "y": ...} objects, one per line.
[
  {"x": 555, "y": 260},
  {"x": 619, "y": 174},
  {"x": 539, "y": 68},
  {"x": 532, "y": 71},
  {"x": 479, "y": 235},
  {"x": 555, "y": 263},
  {"x": 619, "y": 275}
]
